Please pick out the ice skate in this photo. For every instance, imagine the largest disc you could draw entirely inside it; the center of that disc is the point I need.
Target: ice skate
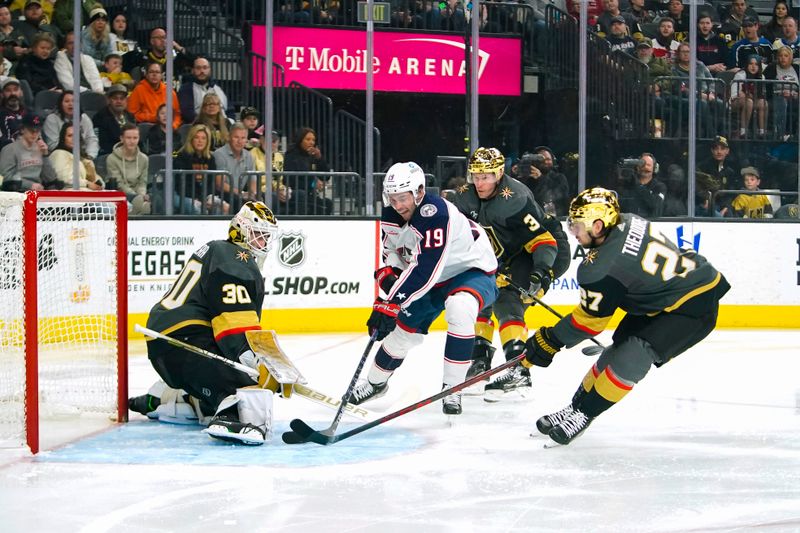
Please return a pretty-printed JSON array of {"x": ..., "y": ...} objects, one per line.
[
  {"x": 451, "y": 405},
  {"x": 481, "y": 362},
  {"x": 366, "y": 391},
  {"x": 514, "y": 379},
  {"x": 145, "y": 404},
  {"x": 570, "y": 428},
  {"x": 546, "y": 423}
]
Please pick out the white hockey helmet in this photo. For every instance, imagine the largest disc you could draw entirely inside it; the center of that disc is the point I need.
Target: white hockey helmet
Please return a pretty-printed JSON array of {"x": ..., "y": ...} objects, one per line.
[
  {"x": 253, "y": 227},
  {"x": 403, "y": 177}
]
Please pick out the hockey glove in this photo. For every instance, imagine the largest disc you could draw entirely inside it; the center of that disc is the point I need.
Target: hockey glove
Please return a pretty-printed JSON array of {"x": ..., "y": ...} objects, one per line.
[
  {"x": 541, "y": 347},
  {"x": 386, "y": 277},
  {"x": 383, "y": 318},
  {"x": 540, "y": 283},
  {"x": 502, "y": 280}
]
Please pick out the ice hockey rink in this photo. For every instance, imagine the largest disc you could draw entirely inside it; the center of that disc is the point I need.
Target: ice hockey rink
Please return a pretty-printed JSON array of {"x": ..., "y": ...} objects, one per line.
[{"x": 709, "y": 442}]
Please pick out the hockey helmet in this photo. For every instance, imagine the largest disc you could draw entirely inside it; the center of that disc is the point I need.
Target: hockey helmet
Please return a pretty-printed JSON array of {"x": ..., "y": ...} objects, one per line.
[
  {"x": 403, "y": 177},
  {"x": 252, "y": 228},
  {"x": 593, "y": 204},
  {"x": 484, "y": 161}
]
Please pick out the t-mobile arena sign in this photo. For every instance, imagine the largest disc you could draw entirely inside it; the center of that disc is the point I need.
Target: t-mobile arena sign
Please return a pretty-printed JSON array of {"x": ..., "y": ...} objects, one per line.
[{"x": 403, "y": 61}]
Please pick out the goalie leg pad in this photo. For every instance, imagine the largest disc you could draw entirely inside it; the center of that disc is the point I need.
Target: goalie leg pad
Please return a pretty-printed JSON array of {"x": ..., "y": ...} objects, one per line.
[
  {"x": 243, "y": 418},
  {"x": 175, "y": 408}
]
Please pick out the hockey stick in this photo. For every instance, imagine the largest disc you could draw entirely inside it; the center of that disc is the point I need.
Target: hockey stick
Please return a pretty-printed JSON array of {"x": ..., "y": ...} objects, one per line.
[
  {"x": 345, "y": 398},
  {"x": 302, "y": 432},
  {"x": 589, "y": 350},
  {"x": 302, "y": 390}
]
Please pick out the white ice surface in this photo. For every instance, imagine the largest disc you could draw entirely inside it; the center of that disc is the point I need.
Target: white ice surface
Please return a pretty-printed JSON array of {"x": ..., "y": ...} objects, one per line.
[{"x": 707, "y": 443}]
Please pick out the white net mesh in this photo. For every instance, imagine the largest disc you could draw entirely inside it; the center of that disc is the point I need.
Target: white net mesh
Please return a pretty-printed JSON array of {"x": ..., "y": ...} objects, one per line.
[{"x": 76, "y": 313}]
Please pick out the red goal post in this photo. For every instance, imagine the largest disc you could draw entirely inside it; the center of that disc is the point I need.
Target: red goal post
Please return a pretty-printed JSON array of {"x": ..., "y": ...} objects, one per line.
[{"x": 63, "y": 311}]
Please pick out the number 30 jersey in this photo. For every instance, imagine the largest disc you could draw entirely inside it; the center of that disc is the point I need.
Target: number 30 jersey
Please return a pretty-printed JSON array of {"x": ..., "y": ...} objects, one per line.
[
  {"x": 640, "y": 271},
  {"x": 216, "y": 298},
  {"x": 437, "y": 244}
]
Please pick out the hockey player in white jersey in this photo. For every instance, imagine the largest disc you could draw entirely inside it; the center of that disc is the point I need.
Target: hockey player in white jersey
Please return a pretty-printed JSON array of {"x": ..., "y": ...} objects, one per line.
[{"x": 435, "y": 260}]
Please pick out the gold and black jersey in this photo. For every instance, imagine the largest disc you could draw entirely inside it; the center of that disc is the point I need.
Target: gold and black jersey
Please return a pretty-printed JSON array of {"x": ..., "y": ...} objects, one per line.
[
  {"x": 218, "y": 294},
  {"x": 513, "y": 220},
  {"x": 638, "y": 270}
]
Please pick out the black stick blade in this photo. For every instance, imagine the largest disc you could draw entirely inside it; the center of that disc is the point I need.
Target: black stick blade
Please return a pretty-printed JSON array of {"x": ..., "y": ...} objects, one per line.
[
  {"x": 290, "y": 437},
  {"x": 301, "y": 428}
]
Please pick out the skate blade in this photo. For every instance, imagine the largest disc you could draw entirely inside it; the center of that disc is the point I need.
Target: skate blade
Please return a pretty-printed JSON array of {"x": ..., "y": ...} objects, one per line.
[
  {"x": 225, "y": 435},
  {"x": 494, "y": 395}
]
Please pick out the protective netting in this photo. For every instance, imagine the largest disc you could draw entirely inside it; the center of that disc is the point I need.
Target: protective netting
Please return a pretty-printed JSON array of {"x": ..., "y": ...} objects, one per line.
[{"x": 76, "y": 313}]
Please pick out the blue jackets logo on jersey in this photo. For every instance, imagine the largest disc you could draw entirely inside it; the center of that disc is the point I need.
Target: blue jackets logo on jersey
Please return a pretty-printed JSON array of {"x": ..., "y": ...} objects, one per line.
[
  {"x": 427, "y": 210},
  {"x": 291, "y": 252}
]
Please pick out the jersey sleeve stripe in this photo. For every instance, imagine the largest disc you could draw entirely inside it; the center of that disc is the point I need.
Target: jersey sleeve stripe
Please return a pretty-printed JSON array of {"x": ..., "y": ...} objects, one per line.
[
  {"x": 545, "y": 239},
  {"x": 234, "y": 322},
  {"x": 587, "y": 323}
]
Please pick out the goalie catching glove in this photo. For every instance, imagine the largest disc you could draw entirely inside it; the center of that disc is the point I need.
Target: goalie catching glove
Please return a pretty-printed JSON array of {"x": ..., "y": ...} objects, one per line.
[
  {"x": 265, "y": 379},
  {"x": 541, "y": 347},
  {"x": 383, "y": 318}
]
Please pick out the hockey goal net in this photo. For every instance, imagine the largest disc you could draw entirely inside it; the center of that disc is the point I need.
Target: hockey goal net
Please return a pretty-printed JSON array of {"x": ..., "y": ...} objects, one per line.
[{"x": 63, "y": 312}]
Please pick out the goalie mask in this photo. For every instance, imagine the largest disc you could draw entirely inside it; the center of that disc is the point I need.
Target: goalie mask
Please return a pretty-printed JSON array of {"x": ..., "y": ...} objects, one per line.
[
  {"x": 486, "y": 161},
  {"x": 594, "y": 204},
  {"x": 403, "y": 177},
  {"x": 253, "y": 227}
]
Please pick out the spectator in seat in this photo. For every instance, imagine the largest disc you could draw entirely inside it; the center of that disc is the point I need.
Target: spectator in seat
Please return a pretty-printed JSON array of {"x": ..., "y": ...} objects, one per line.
[
  {"x": 281, "y": 194},
  {"x": 731, "y": 28},
  {"x": 158, "y": 53},
  {"x": 748, "y": 94},
  {"x": 618, "y": 38},
  {"x": 451, "y": 17},
  {"x": 665, "y": 45},
  {"x": 12, "y": 111},
  {"x": 789, "y": 38},
  {"x": 192, "y": 191},
  {"x": 717, "y": 172},
  {"x": 712, "y": 50},
  {"x": 594, "y": 8},
  {"x": 638, "y": 11},
  {"x": 675, "y": 201},
  {"x": 195, "y": 87},
  {"x": 783, "y": 96},
  {"x": 305, "y": 156},
  {"x": 211, "y": 115},
  {"x": 54, "y": 122},
  {"x": 708, "y": 107},
  {"x": 249, "y": 116},
  {"x": 549, "y": 187},
  {"x": 751, "y": 205},
  {"x": 61, "y": 158},
  {"x": 233, "y": 157},
  {"x": 113, "y": 74},
  {"x": 127, "y": 170},
  {"x": 120, "y": 41},
  {"x": 63, "y": 11},
  {"x": 656, "y": 66},
  {"x": 644, "y": 194},
  {"x": 23, "y": 163},
  {"x": 38, "y": 67},
  {"x": 773, "y": 30},
  {"x": 11, "y": 38},
  {"x": 751, "y": 44},
  {"x": 95, "y": 41},
  {"x": 108, "y": 121},
  {"x": 610, "y": 14},
  {"x": 149, "y": 94},
  {"x": 156, "y": 140},
  {"x": 90, "y": 77},
  {"x": 34, "y": 22},
  {"x": 680, "y": 16}
]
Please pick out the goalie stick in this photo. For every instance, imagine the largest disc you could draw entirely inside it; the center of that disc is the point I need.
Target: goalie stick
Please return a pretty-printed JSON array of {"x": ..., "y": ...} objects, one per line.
[
  {"x": 302, "y": 432},
  {"x": 589, "y": 350},
  {"x": 345, "y": 397},
  {"x": 303, "y": 390}
]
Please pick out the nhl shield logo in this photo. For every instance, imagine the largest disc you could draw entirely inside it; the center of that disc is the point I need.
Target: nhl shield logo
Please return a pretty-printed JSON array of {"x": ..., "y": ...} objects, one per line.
[{"x": 292, "y": 250}]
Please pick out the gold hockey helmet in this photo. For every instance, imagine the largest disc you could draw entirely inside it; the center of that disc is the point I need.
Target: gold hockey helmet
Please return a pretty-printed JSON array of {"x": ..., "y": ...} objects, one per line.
[
  {"x": 593, "y": 204},
  {"x": 484, "y": 161},
  {"x": 252, "y": 228}
]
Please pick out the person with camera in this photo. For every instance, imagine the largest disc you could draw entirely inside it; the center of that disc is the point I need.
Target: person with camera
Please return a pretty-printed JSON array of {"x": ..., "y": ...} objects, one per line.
[
  {"x": 532, "y": 250},
  {"x": 642, "y": 193},
  {"x": 549, "y": 187}
]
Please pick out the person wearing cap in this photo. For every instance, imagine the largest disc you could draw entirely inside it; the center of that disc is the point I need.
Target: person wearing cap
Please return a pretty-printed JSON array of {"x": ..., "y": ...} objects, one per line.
[
  {"x": 95, "y": 41},
  {"x": 656, "y": 66},
  {"x": 752, "y": 44},
  {"x": 113, "y": 74},
  {"x": 38, "y": 67},
  {"x": 731, "y": 28},
  {"x": 751, "y": 205},
  {"x": 90, "y": 77},
  {"x": 23, "y": 163},
  {"x": 35, "y": 22},
  {"x": 712, "y": 50},
  {"x": 109, "y": 120},
  {"x": 249, "y": 117},
  {"x": 194, "y": 88},
  {"x": 12, "y": 110},
  {"x": 611, "y": 13},
  {"x": 618, "y": 38},
  {"x": 718, "y": 172}
]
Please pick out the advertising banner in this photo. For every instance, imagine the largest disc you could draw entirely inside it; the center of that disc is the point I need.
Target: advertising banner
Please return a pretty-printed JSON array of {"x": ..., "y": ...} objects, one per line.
[{"x": 402, "y": 61}]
